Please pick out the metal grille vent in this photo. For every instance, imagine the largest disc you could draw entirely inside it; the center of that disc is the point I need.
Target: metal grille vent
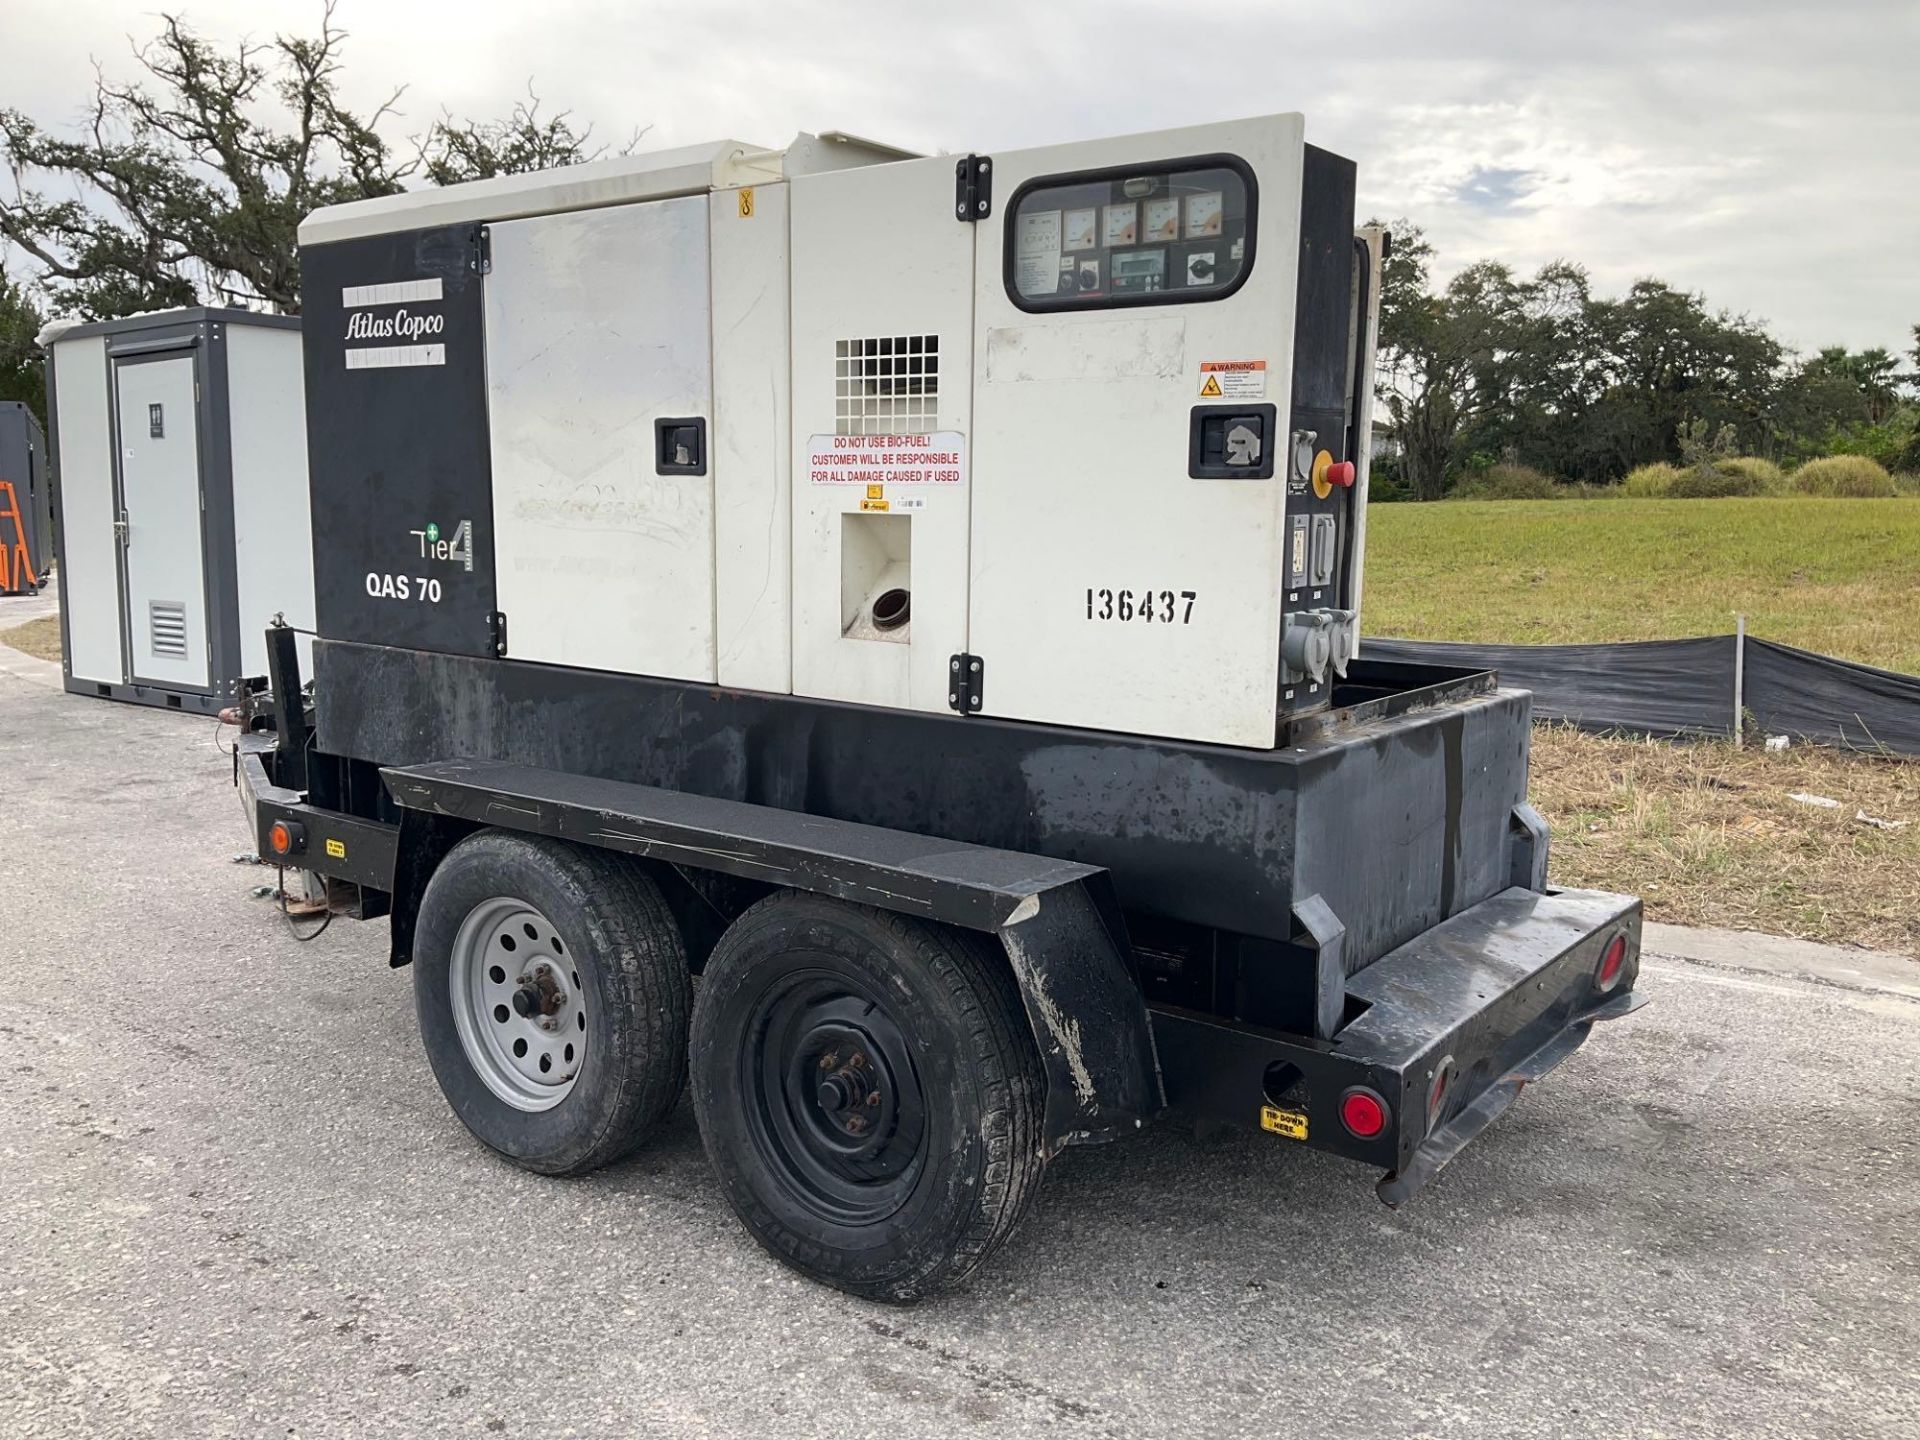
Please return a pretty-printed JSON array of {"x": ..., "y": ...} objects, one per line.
[
  {"x": 887, "y": 386},
  {"x": 167, "y": 628}
]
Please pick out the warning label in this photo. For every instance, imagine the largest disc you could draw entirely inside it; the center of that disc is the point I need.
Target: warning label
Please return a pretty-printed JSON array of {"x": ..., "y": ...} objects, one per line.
[
  {"x": 1233, "y": 379},
  {"x": 877, "y": 460}
]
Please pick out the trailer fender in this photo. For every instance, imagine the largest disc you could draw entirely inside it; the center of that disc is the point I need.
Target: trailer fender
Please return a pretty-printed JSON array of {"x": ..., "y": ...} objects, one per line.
[{"x": 1057, "y": 922}]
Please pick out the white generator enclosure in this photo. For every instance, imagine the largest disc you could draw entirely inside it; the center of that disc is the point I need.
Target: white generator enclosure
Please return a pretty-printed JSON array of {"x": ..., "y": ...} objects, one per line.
[
  {"x": 1073, "y": 435},
  {"x": 180, "y": 450}
]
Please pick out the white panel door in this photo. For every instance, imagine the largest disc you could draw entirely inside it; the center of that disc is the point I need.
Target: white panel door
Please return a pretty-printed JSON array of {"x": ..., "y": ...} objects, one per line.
[
  {"x": 1109, "y": 588},
  {"x": 598, "y": 324},
  {"x": 89, "y": 551},
  {"x": 882, "y": 410},
  {"x": 160, "y": 490}
]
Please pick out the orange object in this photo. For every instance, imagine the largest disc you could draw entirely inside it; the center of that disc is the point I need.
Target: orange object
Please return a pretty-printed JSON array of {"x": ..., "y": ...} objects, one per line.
[{"x": 14, "y": 559}]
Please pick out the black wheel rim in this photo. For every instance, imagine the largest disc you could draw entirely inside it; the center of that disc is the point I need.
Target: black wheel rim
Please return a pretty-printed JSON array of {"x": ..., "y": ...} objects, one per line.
[{"x": 834, "y": 1104}]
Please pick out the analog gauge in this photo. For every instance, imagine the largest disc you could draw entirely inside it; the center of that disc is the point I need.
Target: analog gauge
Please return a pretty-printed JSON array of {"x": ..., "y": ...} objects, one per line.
[{"x": 1203, "y": 214}]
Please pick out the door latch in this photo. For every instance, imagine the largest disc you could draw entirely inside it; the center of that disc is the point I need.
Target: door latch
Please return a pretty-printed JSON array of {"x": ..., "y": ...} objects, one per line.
[{"x": 680, "y": 446}]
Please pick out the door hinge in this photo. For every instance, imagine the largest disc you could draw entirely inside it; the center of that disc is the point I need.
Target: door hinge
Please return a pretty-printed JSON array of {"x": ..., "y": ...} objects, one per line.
[
  {"x": 966, "y": 676},
  {"x": 497, "y": 633},
  {"x": 480, "y": 261},
  {"x": 973, "y": 188}
]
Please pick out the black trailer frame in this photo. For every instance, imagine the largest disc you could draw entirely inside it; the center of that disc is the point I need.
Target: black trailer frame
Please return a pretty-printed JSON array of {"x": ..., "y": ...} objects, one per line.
[{"x": 1446, "y": 1027}]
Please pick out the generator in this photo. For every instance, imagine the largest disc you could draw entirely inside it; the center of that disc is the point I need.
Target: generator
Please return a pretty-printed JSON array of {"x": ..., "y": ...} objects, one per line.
[
  {"x": 26, "y": 501},
  {"x": 181, "y": 449},
  {"x": 918, "y": 596}
]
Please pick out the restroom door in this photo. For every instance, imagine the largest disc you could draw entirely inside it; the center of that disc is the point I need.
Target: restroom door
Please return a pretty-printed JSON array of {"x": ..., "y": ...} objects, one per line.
[{"x": 162, "y": 557}]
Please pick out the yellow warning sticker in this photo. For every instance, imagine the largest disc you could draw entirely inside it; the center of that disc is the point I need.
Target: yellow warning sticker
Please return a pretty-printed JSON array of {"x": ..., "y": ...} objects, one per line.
[
  {"x": 337, "y": 849},
  {"x": 876, "y": 492},
  {"x": 1233, "y": 379},
  {"x": 873, "y": 505},
  {"x": 1290, "y": 1123},
  {"x": 746, "y": 203}
]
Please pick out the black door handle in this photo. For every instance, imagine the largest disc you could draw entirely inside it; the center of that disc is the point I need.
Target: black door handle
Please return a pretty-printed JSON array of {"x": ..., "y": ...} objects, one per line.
[{"x": 680, "y": 446}]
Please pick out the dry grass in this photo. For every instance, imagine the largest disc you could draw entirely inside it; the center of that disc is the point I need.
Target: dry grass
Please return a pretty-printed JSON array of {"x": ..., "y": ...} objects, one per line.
[
  {"x": 1706, "y": 835},
  {"x": 39, "y": 638}
]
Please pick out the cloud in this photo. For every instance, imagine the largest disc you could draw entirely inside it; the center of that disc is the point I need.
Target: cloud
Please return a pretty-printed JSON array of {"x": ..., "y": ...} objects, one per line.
[
  {"x": 1491, "y": 188},
  {"x": 1759, "y": 151}
]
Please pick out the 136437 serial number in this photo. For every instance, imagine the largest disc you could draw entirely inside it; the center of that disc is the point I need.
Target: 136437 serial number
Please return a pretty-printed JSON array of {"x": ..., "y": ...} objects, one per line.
[{"x": 1147, "y": 607}]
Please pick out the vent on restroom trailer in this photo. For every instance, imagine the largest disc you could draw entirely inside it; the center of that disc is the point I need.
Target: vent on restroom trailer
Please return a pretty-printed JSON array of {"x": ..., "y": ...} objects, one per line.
[
  {"x": 887, "y": 386},
  {"x": 167, "y": 628}
]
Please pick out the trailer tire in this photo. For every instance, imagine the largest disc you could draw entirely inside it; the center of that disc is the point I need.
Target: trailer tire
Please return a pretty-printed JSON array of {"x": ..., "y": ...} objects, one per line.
[
  {"x": 553, "y": 997},
  {"x": 868, "y": 1092}
]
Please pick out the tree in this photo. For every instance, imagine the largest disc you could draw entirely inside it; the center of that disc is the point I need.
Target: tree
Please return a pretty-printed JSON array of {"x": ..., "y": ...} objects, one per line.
[
  {"x": 1470, "y": 359},
  {"x": 193, "y": 179},
  {"x": 21, "y": 375}
]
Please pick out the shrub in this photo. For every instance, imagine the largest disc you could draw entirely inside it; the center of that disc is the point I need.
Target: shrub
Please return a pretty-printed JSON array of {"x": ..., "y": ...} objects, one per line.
[
  {"x": 1908, "y": 483},
  {"x": 1651, "y": 482},
  {"x": 1847, "y": 476},
  {"x": 1709, "y": 478},
  {"x": 1768, "y": 477},
  {"x": 1703, "y": 482},
  {"x": 1508, "y": 481}
]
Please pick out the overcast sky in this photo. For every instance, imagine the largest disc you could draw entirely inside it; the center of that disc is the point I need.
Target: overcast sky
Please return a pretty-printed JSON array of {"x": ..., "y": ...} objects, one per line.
[{"x": 1765, "y": 152}]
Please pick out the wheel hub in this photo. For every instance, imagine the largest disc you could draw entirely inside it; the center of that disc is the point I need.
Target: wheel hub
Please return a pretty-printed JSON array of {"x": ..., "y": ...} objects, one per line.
[
  {"x": 837, "y": 1110},
  {"x": 850, "y": 1093},
  {"x": 518, "y": 1004}
]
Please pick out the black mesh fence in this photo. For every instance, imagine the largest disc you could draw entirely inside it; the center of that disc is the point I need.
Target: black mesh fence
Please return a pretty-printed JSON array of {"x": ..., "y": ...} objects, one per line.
[{"x": 1686, "y": 688}]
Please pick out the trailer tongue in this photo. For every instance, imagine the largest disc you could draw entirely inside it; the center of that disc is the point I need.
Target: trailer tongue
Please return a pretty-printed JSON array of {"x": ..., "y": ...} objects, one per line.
[{"x": 918, "y": 598}]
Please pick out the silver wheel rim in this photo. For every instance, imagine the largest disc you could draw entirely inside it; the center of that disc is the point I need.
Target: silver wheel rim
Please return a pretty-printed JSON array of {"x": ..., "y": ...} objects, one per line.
[{"x": 518, "y": 1004}]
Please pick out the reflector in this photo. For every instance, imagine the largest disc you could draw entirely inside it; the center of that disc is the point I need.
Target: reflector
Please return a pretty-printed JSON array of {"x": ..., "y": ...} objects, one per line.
[
  {"x": 1612, "y": 961},
  {"x": 1363, "y": 1112}
]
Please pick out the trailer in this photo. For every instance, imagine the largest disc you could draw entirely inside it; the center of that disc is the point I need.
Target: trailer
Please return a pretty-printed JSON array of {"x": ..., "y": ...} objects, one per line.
[
  {"x": 180, "y": 440},
  {"x": 871, "y": 640}
]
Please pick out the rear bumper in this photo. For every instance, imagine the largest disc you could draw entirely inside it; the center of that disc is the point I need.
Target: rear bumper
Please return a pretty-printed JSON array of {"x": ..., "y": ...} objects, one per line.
[
  {"x": 1455, "y": 1023},
  {"x": 327, "y": 842}
]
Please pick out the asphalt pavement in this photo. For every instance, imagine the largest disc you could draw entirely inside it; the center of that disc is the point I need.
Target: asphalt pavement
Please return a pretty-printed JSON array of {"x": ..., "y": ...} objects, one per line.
[{"x": 232, "y": 1203}]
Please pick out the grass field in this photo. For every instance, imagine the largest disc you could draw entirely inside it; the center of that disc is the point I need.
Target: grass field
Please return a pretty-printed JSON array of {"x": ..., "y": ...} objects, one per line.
[{"x": 1838, "y": 576}]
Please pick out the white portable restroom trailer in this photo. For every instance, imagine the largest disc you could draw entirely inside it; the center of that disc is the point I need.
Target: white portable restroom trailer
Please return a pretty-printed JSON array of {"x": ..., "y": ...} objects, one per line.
[
  {"x": 180, "y": 438},
  {"x": 26, "y": 506},
  {"x": 918, "y": 595}
]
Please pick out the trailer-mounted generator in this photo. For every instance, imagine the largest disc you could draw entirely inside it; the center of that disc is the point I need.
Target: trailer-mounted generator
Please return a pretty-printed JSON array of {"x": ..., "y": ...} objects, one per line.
[{"x": 876, "y": 636}]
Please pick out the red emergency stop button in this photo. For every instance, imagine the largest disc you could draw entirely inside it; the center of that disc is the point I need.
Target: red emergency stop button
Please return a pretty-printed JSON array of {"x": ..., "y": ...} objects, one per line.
[{"x": 1341, "y": 473}]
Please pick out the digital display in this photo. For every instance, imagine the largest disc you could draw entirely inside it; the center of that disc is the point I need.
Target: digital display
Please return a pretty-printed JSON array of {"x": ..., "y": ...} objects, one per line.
[{"x": 1139, "y": 270}]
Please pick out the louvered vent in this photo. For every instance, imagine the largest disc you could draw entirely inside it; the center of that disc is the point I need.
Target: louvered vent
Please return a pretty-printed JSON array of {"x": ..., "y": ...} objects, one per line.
[
  {"x": 167, "y": 628},
  {"x": 887, "y": 386}
]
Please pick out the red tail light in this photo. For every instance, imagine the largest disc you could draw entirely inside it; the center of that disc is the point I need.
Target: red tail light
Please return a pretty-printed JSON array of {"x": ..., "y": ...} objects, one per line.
[
  {"x": 1612, "y": 961},
  {"x": 1364, "y": 1113}
]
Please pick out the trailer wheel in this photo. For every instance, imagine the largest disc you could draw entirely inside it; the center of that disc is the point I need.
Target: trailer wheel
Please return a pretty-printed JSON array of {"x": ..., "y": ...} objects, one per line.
[
  {"x": 552, "y": 992},
  {"x": 868, "y": 1092}
]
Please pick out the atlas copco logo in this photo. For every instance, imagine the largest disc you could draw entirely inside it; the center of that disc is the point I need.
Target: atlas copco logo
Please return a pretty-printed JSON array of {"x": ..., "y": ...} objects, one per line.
[{"x": 403, "y": 324}]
